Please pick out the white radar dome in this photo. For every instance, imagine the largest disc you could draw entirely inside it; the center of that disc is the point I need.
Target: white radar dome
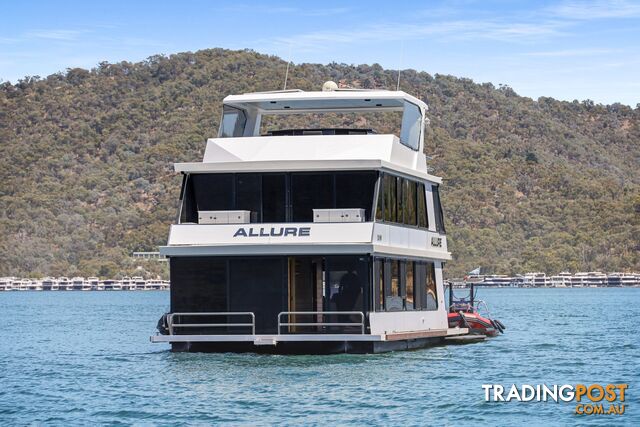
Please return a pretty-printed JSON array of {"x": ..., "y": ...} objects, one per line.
[{"x": 329, "y": 86}]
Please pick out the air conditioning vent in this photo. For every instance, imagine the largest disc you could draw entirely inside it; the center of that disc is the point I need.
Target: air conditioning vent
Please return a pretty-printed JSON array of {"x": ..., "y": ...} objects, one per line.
[
  {"x": 224, "y": 217},
  {"x": 338, "y": 215}
]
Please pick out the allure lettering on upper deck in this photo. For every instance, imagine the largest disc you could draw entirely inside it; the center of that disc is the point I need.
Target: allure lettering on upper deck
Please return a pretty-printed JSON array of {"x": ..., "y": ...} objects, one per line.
[{"x": 273, "y": 232}]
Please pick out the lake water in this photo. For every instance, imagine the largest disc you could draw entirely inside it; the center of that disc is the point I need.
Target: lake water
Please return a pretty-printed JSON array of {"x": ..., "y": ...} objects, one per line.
[{"x": 84, "y": 358}]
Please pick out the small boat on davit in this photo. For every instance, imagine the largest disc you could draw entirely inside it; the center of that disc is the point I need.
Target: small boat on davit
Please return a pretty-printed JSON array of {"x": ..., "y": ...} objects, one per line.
[{"x": 464, "y": 312}]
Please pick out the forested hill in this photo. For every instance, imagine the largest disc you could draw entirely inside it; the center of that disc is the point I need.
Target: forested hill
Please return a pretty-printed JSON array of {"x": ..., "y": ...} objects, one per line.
[{"x": 86, "y": 162}]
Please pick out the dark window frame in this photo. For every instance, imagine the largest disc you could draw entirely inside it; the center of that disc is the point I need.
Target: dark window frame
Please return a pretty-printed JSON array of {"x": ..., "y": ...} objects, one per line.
[
  {"x": 437, "y": 209},
  {"x": 390, "y": 189}
]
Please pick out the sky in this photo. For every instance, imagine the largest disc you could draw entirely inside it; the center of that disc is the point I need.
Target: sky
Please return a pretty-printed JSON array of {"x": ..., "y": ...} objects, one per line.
[{"x": 565, "y": 49}]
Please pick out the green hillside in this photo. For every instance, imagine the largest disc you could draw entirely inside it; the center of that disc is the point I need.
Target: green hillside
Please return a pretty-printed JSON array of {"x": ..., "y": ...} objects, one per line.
[{"x": 86, "y": 163}]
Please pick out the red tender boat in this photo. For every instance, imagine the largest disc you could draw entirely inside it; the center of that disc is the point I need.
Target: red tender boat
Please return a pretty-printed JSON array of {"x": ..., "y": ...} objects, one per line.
[{"x": 464, "y": 313}]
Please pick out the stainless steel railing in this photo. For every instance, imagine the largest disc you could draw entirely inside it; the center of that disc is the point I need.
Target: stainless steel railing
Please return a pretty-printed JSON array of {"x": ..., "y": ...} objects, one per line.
[
  {"x": 361, "y": 324},
  {"x": 172, "y": 324}
]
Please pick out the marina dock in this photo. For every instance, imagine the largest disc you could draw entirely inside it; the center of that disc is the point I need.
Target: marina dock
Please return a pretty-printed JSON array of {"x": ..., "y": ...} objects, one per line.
[
  {"x": 82, "y": 284},
  {"x": 592, "y": 279}
]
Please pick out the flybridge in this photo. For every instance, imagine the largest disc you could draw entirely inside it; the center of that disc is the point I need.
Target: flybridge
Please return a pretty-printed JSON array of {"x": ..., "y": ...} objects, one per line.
[{"x": 243, "y": 114}]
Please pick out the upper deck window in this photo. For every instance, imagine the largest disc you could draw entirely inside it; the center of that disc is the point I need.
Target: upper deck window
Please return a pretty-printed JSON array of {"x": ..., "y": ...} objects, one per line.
[
  {"x": 233, "y": 122},
  {"x": 401, "y": 201},
  {"x": 411, "y": 123}
]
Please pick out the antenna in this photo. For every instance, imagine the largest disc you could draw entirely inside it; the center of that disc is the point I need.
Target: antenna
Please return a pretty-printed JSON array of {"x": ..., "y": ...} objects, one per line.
[
  {"x": 286, "y": 74},
  {"x": 401, "y": 61}
]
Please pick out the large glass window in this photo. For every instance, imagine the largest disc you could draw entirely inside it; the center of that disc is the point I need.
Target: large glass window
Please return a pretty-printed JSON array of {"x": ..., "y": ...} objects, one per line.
[
  {"x": 390, "y": 198},
  {"x": 213, "y": 192},
  {"x": 400, "y": 206},
  {"x": 355, "y": 190},
  {"x": 411, "y": 122},
  {"x": 379, "y": 202},
  {"x": 274, "y": 198},
  {"x": 380, "y": 284},
  {"x": 189, "y": 209},
  {"x": 395, "y": 278},
  {"x": 410, "y": 213},
  {"x": 437, "y": 208},
  {"x": 233, "y": 122},
  {"x": 347, "y": 277},
  {"x": 277, "y": 197},
  {"x": 393, "y": 298},
  {"x": 309, "y": 192},
  {"x": 409, "y": 279},
  {"x": 431, "y": 288},
  {"x": 423, "y": 220},
  {"x": 198, "y": 284},
  {"x": 402, "y": 201},
  {"x": 249, "y": 194}
]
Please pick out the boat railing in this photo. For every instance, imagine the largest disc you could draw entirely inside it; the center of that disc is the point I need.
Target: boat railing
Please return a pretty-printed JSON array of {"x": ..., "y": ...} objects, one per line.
[
  {"x": 318, "y": 323},
  {"x": 173, "y": 320}
]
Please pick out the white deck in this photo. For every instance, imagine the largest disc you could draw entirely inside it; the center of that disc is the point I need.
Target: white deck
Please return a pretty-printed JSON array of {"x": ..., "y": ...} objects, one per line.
[{"x": 275, "y": 338}]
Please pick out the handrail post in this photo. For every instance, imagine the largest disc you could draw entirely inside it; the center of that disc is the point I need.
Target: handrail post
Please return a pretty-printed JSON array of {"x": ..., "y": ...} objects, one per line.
[
  {"x": 253, "y": 323},
  {"x": 279, "y": 314}
]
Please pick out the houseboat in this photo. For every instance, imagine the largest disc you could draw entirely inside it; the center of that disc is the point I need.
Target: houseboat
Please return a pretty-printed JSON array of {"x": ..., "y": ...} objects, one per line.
[
  {"x": 127, "y": 284},
  {"x": 6, "y": 283},
  {"x": 94, "y": 284},
  {"x": 497, "y": 280},
  {"x": 78, "y": 283},
  {"x": 561, "y": 280},
  {"x": 64, "y": 284},
  {"x": 299, "y": 235},
  {"x": 138, "y": 283},
  {"x": 50, "y": 284},
  {"x": 112, "y": 285}
]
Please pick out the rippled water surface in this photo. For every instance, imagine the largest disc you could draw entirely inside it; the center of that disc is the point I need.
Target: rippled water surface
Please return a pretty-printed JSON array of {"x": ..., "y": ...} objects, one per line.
[{"x": 85, "y": 358}]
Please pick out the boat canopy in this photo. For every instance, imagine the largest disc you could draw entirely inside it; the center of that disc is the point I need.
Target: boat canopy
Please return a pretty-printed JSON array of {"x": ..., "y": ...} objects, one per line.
[{"x": 290, "y": 102}]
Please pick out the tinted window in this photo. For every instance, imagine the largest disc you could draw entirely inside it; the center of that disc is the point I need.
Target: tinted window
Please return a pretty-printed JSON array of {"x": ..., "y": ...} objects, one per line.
[
  {"x": 249, "y": 194},
  {"x": 198, "y": 284},
  {"x": 423, "y": 221},
  {"x": 233, "y": 122},
  {"x": 409, "y": 279},
  {"x": 395, "y": 278},
  {"x": 355, "y": 190},
  {"x": 214, "y": 192},
  {"x": 347, "y": 280},
  {"x": 380, "y": 283},
  {"x": 400, "y": 206},
  {"x": 380, "y": 205},
  {"x": 393, "y": 299},
  {"x": 410, "y": 214},
  {"x": 430, "y": 288},
  {"x": 273, "y": 202},
  {"x": 437, "y": 207},
  {"x": 309, "y": 192},
  {"x": 189, "y": 211},
  {"x": 264, "y": 294},
  {"x": 390, "y": 198},
  {"x": 411, "y": 122}
]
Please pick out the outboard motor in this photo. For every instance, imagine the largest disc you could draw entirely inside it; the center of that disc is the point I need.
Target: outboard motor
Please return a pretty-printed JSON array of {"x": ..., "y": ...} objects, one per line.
[{"x": 163, "y": 325}]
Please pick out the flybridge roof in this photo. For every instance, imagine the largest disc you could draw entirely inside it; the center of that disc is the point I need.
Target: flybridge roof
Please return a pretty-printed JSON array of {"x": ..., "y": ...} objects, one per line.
[{"x": 336, "y": 100}]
